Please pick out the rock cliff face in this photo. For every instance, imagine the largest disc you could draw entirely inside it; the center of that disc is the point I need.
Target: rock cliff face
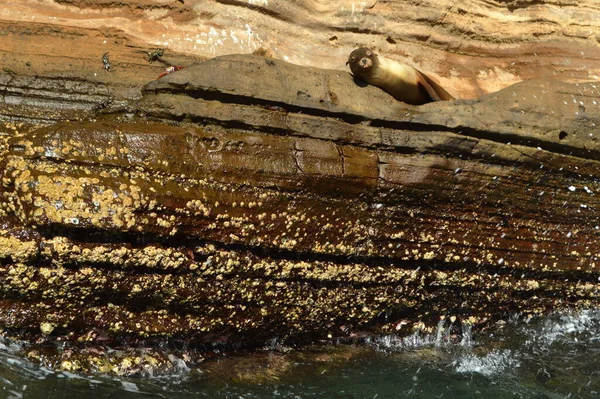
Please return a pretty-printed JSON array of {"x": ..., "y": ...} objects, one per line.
[
  {"x": 472, "y": 47},
  {"x": 245, "y": 198}
]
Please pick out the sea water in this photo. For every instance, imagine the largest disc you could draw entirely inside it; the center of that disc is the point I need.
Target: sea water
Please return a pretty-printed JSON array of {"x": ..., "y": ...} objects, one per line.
[{"x": 556, "y": 356}]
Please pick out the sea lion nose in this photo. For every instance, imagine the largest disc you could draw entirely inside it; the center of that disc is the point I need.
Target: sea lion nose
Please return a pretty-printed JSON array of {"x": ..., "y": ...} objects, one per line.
[{"x": 363, "y": 61}]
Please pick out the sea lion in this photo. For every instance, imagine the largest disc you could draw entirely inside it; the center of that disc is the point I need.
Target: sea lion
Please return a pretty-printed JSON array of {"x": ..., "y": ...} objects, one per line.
[{"x": 402, "y": 81}]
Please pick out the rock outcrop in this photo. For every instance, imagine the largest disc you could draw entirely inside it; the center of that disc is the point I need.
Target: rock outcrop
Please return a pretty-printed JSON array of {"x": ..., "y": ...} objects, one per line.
[
  {"x": 245, "y": 199},
  {"x": 471, "y": 49}
]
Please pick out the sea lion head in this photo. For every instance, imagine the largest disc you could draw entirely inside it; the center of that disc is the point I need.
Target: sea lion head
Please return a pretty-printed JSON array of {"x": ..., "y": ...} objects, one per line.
[{"x": 362, "y": 61}]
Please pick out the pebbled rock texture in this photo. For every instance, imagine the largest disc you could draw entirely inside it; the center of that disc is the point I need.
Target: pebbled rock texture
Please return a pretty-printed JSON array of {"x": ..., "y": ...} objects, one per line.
[{"x": 236, "y": 211}]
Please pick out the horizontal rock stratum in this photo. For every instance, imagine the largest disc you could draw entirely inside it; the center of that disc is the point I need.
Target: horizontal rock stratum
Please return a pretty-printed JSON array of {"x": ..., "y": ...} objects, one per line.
[{"x": 245, "y": 199}]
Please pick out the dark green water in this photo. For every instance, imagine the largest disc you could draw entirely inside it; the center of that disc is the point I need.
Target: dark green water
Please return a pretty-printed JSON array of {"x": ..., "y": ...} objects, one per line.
[{"x": 553, "y": 357}]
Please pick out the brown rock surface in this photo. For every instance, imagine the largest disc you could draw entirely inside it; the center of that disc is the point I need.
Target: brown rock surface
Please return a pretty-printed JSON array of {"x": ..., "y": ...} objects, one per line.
[{"x": 245, "y": 198}]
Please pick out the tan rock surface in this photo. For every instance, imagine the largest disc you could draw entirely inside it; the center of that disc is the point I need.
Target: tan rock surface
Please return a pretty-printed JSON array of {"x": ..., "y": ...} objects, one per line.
[{"x": 471, "y": 48}]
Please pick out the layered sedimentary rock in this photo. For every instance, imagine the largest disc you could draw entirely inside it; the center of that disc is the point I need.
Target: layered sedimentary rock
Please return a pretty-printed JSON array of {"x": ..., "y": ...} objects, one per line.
[
  {"x": 245, "y": 199},
  {"x": 472, "y": 48},
  {"x": 280, "y": 212}
]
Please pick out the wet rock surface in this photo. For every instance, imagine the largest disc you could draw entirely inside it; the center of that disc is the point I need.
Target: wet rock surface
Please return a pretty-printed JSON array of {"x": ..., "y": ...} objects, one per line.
[{"x": 213, "y": 211}]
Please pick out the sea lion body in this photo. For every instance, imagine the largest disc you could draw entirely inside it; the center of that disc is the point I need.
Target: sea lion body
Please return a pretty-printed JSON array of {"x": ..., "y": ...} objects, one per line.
[{"x": 402, "y": 81}]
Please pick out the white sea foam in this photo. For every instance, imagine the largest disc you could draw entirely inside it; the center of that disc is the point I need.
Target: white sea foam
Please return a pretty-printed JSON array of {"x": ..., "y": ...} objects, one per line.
[
  {"x": 443, "y": 337},
  {"x": 394, "y": 342},
  {"x": 491, "y": 364},
  {"x": 130, "y": 386},
  {"x": 566, "y": 327}
]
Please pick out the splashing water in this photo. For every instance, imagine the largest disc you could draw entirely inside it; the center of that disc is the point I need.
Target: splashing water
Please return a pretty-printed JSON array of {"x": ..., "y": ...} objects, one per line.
[
  {"x": 491, "y": 364},
  {"x": 557, "y": 356}
]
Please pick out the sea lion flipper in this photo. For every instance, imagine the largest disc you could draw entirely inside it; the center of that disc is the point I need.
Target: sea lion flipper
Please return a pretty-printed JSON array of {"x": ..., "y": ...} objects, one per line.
[
  {"x": 428, "y": 91},
  {"x": 433, "y": 90}
]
